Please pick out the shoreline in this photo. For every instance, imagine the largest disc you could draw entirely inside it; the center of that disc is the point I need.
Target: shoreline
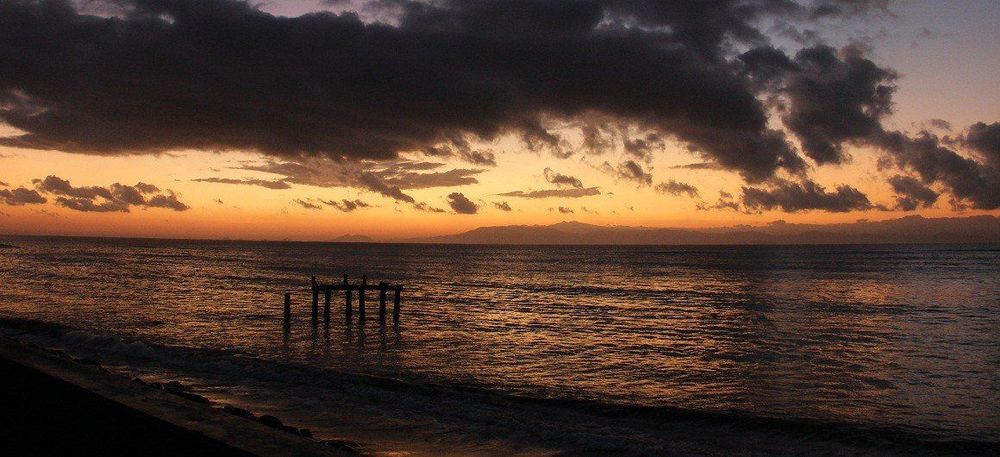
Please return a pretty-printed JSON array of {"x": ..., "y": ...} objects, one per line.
[{"x": 53, "y": 404}]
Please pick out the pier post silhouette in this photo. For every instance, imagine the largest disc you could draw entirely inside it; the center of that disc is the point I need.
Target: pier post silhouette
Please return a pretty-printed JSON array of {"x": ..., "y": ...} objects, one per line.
[
  {"x": 363, "y": 287},
  {"x": 288, "y": 309},
  {"x": 315, "y": 301}
]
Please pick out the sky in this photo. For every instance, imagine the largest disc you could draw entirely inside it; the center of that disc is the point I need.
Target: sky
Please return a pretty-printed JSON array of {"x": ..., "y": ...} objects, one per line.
[{"x": 308, "y": 120}]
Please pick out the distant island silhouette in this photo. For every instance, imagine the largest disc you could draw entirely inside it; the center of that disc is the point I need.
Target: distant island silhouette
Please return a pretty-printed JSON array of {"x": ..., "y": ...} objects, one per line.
[
  {"x": 351, "y": 238},
  {"x": 910, "y": 229}
]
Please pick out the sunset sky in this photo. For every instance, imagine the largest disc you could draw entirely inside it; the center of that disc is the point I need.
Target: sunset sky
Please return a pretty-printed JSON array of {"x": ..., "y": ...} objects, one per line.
[{"x": 308, "y": 120}]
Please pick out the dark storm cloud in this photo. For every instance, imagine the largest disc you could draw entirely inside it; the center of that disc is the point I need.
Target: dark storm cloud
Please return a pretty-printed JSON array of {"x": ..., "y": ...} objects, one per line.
[
  {"x": 547, "y": 193},
  {"x": 346, "y": 205},
  {"x": 560, "y": 179},
  {"x": 985, "y": 140},
  {"x": 830, "y": 98},
  {"x": 114, "y": 198},
  {"x": 218, "y": 75},
  {"x": 807, "y": 195},
  {"x": 268, "y": 184},
  {"x": 677, "y": 188},
  {"x": 461, "y": 204},
  {"x": 502, "y": 206},
  {"x": 970, "y": 181},
  {"x": 834, "y": 98},
  {"x": 21, "y": 196},
  {"x": 911, "y": 193}
]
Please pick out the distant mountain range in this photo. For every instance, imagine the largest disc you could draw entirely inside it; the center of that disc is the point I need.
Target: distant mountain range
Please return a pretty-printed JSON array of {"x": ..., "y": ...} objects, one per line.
[{"x": 910, "y": 229}]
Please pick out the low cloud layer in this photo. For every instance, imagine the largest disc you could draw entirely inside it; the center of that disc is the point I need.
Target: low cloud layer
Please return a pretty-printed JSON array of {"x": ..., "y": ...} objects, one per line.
[
  {"x": 793, "y": 197},
  {"x": 21, "y": 196},
  {"x": 677, "y": 188},
  {"x": 307, "y": 204},
  {"x": 267, "y": 184},
  {"x": 346, "y": 205},
  {"x": 550, "y": 193},
  {"x": 388, "y": 179},
  {"x": 560, "y": 179},
  {"x": 630, "y": 170},
  {"x": 114, "y": 198},
  {"x": 461, "y": 204}
]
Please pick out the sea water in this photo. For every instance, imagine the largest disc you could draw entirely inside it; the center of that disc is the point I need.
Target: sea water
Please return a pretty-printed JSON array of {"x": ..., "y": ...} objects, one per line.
[{"x": 541, "y": 349}]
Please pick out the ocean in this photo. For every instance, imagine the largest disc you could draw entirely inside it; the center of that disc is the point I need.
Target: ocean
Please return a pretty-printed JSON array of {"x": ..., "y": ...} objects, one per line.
[{"x": 542, "y": 350}]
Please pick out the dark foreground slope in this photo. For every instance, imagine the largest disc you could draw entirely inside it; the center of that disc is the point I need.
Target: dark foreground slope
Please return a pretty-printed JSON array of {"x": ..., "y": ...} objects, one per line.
[
  {"x": 51, "y": 405},
  {"x": 43, "y": 415}
]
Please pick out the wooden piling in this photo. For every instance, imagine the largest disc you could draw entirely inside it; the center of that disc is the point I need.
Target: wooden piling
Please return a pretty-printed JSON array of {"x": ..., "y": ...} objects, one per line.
[
  {"x": 347, "y": 301},
  {"x": 395, "y": 305},
  {"x": 315, "y": 301},
  {"x": 288, "y": 308},
  {"x": 326, "y": 306},
  {"x": 381, "y": 301},
  {"x": 361, "y": 299}
]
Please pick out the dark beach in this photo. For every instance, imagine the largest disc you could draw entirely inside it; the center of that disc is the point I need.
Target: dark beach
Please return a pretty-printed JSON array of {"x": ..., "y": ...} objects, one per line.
[{"x": 56, "y": 406}]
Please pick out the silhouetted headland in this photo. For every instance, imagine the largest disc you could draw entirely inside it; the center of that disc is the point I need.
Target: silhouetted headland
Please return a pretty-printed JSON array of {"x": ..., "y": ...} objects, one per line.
[
  {"x": 910, "y": 229},
  {"x": 352, "y": 238}
]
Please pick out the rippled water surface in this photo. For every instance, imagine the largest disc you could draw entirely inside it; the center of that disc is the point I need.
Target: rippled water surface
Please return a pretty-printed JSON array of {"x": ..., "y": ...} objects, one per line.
[{"x": 902, "y": 338}]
